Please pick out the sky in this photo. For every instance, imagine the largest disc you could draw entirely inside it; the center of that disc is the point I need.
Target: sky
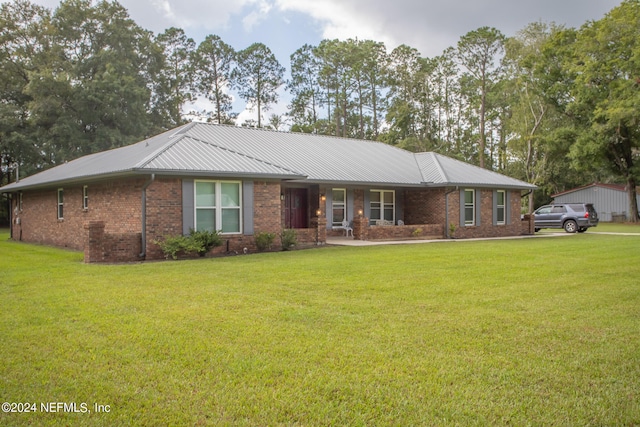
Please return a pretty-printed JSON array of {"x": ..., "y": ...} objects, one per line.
[{"x": 431, "y": 26}]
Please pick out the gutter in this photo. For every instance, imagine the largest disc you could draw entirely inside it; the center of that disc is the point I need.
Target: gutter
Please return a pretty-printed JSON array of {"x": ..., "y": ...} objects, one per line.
[
  {"x": 446, "y": 210},
  {"x": 143, "y": 237}
]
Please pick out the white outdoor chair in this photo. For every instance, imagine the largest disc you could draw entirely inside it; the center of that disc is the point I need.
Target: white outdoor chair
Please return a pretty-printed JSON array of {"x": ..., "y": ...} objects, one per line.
[{"x": 347, "y": 228}]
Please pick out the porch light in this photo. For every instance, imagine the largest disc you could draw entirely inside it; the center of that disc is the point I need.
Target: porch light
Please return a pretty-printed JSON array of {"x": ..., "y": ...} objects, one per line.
[
  {"x": 281, "y": 196},
  {"x": 323, "y": 197},
  {"x": 360, "y": 212},
  {"x": 318, "y": 212}
]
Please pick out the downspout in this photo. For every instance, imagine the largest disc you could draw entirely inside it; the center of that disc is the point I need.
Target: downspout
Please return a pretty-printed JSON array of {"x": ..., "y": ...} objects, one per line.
[
  {"x": 143, "y": 243},
  {"x": 446, "y": 211}
]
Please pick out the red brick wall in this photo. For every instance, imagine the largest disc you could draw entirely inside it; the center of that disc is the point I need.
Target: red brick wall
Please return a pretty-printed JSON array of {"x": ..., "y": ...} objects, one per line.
[
  {"x": 114, "y": 202},
  {"x": 424, "y": 206},
  {"x": 486, "y": 227},
  {"x": 416, "y": 231},
  {"x": 164, "y": 213}
]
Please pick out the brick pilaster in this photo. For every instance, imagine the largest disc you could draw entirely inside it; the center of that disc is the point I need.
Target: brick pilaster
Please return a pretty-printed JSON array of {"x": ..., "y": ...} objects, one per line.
[
  {"x": 361, "y": 228},
  {"x": 94, "y": 238}
]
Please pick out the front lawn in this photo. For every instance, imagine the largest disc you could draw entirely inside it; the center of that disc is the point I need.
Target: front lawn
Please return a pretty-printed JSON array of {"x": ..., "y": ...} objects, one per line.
[{"x": 539, "y": 331}]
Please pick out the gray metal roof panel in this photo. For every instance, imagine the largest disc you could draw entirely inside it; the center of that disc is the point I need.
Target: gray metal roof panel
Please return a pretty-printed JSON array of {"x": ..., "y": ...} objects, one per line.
[
  {"x": 228, "y": 150},
  {"x": 191, "y": 155},
  {"x": 455, "y": 172},
  {"x": 321, "y": 158}
]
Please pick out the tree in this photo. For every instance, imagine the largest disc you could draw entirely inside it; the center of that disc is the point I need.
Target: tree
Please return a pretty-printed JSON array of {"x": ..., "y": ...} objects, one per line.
[
  {"x": 534, "y": 122},
  {"x": 257, "y": 77},
  {"x": 88, "y": 93},
  {"x": 214, "y": 59},
  {"x": 175, "y": 81},
  {"x": 374, "y": 77},
  {"x": 305, "y": 88},
  {"x": 477, "y": 51},
  {"x": 404, "y": 67},
  {"x": 22, "y": 42},
  {"x": 336, "y": 77},
  {"x": 606, "y": 95}
]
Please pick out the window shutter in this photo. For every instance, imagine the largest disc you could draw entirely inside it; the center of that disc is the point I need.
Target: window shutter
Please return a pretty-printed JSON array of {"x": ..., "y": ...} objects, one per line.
[
  {"x": 507, "y": 206},
  {"x": 367, "y": 203},
  {"x": 495, "y": 207},
  {"x": 247, "y": 208},
  {"x": 477, "y": 205},
  {"x": 462, "y": 219},
  {"x": 188, "y": 206}
]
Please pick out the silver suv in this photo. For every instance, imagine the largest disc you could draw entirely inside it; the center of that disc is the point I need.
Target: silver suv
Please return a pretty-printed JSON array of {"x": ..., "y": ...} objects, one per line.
[{"x": 570, "y": 216}]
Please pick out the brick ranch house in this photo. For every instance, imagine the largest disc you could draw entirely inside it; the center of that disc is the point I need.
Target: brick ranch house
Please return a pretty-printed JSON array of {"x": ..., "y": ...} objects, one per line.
[{"x": 241, "y": 181}]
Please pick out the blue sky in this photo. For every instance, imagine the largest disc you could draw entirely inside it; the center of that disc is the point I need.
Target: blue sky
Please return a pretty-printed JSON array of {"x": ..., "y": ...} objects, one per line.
[{"x": 430, "y": 26}]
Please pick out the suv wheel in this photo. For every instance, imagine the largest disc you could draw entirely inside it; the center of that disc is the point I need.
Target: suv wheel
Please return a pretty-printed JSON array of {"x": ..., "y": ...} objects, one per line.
[{"x": 570, "y": 226}]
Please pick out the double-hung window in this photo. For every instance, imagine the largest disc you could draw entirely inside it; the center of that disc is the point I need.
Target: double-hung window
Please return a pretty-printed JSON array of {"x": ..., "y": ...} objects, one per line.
[
  {"x": 500, "y": 207},
  {"x": 383, "y": 205},
  {"x": 60, "y": 203},
  {"x": 339, "y": 205},
  {"x": 218, "y": 206},
  {"x": 469, "y": 207},
  {"x": 85, "y": 197}
]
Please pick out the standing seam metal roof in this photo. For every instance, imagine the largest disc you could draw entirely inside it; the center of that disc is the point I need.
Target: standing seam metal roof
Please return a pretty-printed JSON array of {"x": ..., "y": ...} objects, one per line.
[{"x": 210, "y": 150}]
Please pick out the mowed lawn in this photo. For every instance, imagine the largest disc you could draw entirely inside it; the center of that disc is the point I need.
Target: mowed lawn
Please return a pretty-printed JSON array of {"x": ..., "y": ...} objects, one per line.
[{"x": 542, "y": 331}]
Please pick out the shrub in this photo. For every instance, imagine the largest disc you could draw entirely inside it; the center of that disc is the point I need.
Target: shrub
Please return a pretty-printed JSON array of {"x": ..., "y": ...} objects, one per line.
[
  {"x": 288, "y": 239},
  {"x": 264, "y": 240},
  {"x": 199, "y": 242},
  {"x": 205, "y": 240},
  {"x": 172, "y": 246}
]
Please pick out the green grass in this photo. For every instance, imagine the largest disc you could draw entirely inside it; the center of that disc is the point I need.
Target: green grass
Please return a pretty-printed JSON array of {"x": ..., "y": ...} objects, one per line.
[
  {"x": 512, "y": 332},
  {"x": 610, "y": 227}
]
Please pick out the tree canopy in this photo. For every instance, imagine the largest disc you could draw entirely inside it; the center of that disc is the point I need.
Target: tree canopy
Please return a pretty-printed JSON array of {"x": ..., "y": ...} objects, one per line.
[{"x": 555, "y": 106}]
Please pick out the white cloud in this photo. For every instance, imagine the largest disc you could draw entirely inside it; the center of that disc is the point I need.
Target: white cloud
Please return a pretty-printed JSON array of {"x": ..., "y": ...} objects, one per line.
[
  {"x": 339, "y": 19},
  {"x": 257, "y": 15}
]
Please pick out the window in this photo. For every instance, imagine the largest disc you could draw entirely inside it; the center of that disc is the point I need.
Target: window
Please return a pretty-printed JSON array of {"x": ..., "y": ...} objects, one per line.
[
  {"x": 469, "y": 207},
  {"x": 383, "y": 205},
  {"x": 500, "y": 207},
  {"x": 217, "y": 206},
  {"x": 60, "y": 203},
  {"x": 339, "y": 204},
  {"x": 85, "y": 197},
  {"x": 20, "y": 201}
]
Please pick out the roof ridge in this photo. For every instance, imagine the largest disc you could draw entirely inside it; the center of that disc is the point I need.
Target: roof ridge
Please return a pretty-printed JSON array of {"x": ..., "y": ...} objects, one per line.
[
  {"x": 243, "y": 155},
  {"x": 436, "y": 161},
  {"x": 317, "y": 135},
  {"x": 164, "y": 147}
]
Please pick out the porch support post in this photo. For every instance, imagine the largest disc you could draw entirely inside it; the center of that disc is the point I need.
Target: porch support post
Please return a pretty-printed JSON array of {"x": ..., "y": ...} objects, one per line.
[{"x": 361, "y": 227}]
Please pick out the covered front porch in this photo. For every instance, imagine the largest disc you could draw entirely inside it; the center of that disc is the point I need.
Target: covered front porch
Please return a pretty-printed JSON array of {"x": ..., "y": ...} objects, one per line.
[{"x": 384, "y": 213}]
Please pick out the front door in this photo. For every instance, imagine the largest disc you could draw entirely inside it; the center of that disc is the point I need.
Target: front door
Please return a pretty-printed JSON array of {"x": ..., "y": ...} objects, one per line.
[{"x": 296, "y": 204}]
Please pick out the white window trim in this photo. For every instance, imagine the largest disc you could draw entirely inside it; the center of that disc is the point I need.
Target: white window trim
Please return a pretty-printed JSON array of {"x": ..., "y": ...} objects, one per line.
[
  {"x": 503, "y": 206},
  {"x": 382, "y": 204},
  {"x": 471, "y": 223},
  {"x": 60, "y": 203},
  {"x": 342, "y": 205},
  {"x": 218, "y": 207},
  {"x": 85, "y": 197}
]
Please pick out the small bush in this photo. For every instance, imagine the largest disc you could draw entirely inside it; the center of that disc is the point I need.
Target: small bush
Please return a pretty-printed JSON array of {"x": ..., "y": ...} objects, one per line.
[
  {"x": 264, "y": 240},
  {"x": 288, "y": 239},
  {"x": 172, "y": 246},
  {"x": 199, "y": 242},
  {"x": 205, "y": 240}
]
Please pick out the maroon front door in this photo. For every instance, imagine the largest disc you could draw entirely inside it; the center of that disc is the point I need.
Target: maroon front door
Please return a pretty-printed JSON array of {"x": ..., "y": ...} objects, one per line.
[{"x": 296, "y": 204}]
